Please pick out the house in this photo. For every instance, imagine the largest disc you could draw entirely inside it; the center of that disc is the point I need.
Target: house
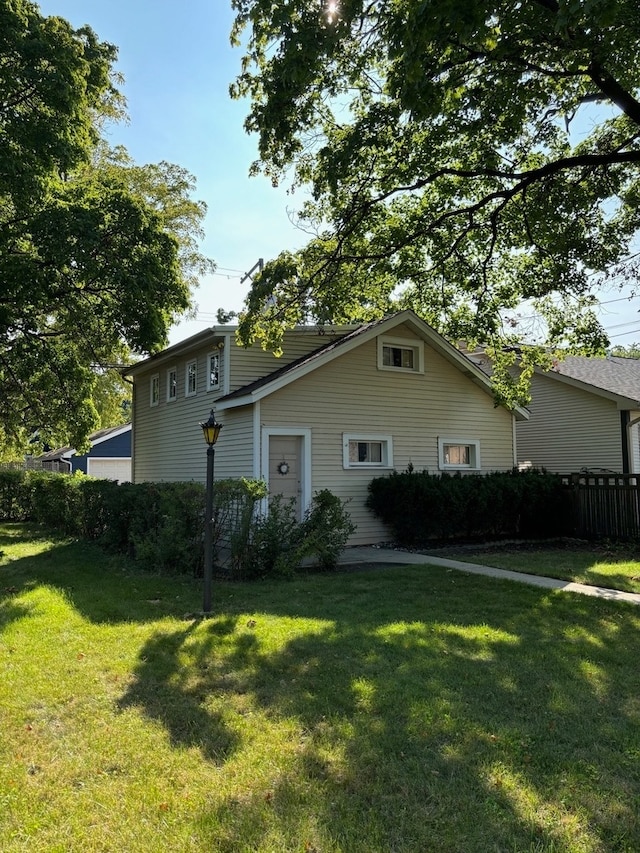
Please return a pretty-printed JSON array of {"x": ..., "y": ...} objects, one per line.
[
  {"x": 109, "y": 457},
  {"x": 341, "y": 406},
  {"x": 584, "y": 414}
]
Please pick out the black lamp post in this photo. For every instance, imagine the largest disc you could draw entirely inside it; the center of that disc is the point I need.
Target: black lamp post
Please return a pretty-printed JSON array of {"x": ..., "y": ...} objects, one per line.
[{"x": 210, "y": 430}]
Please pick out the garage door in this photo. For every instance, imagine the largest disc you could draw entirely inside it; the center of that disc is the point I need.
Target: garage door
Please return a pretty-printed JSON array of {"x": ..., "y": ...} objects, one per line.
[{"x": 110, "y": 469}]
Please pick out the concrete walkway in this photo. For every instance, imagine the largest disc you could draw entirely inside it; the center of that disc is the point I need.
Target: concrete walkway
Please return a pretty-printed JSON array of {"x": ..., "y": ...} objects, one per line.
[{"x": 374, "y": 554}]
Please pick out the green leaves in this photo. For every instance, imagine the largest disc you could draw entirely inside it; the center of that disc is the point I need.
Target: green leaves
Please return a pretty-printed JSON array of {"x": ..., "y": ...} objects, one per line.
[
  {"x": 97, "y": 254},
  {"x": 455, "y": 160}
]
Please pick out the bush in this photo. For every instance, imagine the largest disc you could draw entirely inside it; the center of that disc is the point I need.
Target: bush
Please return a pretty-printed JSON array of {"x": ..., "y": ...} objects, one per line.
[
  {"x": 280, "y": 542},
  {"x": 326, "y": 528},
  {"x": 420, "y": 507},
  {"x": 15, "y": 501},
  {"x": 161, "y": 525},
  {"x": 275, "y": 545}
]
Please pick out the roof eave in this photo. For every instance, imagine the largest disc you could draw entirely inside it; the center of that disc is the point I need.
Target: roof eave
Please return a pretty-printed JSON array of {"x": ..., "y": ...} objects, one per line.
[
  {"x": 440, "y": 344},
  {"x": 623, "y": 403}
]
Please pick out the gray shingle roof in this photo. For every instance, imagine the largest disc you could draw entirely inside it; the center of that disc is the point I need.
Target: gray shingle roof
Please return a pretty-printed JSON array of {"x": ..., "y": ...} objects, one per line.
[{"x": 614, "y": 374}]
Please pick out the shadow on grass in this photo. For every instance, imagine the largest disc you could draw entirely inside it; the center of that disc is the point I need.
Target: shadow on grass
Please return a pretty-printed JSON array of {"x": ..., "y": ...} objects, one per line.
[
  {"x": 165, "y": 690},
  {"x": 104, "y": 589},
  {"x": 434, "y": 712},
  {"x": 592, "y": 565},
  {"x": 431, "y": 710}
]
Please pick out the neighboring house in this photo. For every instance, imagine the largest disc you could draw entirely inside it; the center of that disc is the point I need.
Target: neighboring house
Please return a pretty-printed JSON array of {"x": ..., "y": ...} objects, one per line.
[
  {"x": 340, "y": 407},
  {"x": 108, "y": 459},
  {"x": 584, "y": 414}
]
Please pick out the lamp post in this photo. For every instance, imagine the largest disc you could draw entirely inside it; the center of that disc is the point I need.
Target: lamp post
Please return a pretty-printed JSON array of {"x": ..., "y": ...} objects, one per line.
[{"x": 210, "y": 430}]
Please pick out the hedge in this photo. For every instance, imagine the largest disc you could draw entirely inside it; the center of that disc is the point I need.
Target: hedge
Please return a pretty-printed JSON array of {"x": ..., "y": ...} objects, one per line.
[
  {"x": 161, "y": 525},
  {"x": 419, "y": 507}
]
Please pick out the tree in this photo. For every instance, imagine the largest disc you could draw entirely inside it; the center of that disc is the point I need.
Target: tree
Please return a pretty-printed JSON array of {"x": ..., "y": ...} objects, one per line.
[
  {"x": 97, "y": 255},
  {"x": 630, "y": 351},
  {"x": 462, "y": 158}
]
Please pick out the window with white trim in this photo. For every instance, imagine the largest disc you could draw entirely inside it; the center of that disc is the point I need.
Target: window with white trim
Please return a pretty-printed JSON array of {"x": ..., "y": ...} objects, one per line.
[
  {"x": 367, "y": 451},
  {"x": 154, "y": 390},
  {"x": 214, "y": 364},
  {"x": 402, "y": 354},
  {"x": 458, "y": 454},
  {"x": 172, "y": 384},
  {"x": 191, "y": 379}
]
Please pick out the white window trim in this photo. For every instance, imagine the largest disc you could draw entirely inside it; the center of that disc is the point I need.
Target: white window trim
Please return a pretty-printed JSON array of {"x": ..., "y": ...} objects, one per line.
[
  {"x": 187, "y": 392},
  {"x": 387, "y": 450},
  {"x": 473, "y": 443},
  {"x": 220, "y": 353},
  {"x": 403, "y": 343},
  {"x": 171, "y": 370},
  {"x": 154, "y": 381}
]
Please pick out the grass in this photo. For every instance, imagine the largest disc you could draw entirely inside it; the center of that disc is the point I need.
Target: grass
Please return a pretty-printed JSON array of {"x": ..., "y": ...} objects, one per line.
[
  {"x": 409, "y": 709},
  {"x": 605, "y": 564}
]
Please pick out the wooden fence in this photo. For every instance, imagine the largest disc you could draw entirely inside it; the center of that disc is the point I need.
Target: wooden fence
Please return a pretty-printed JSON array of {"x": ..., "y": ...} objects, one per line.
[{"x": 605, "y": 505}]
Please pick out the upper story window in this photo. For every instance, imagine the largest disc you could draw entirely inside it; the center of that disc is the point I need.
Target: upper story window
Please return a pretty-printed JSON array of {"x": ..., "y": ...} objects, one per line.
[
  {"x": 172, "y": 384},
  {"x": 154, "y": 391},
  {"x": 458, "y": 454},
  {"x": 191, "y": 379},
  {"x": 214, "y": 370},
  {"x": 367, "y": 451},
  {"x": 401, "y": 354}
]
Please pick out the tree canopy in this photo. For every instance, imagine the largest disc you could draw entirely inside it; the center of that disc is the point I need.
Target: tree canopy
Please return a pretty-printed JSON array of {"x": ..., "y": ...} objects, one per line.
[
  {"x": 97, "y": 255},
  {"x": 462, "y": 157}
]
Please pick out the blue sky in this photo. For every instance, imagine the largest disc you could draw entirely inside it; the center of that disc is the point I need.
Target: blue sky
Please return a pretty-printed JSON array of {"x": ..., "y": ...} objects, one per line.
[{"x": 178, "y": 63}]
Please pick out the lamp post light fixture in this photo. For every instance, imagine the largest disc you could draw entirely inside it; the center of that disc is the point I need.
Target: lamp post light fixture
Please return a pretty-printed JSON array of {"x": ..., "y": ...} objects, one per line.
[{"x": 210, "y": 430}]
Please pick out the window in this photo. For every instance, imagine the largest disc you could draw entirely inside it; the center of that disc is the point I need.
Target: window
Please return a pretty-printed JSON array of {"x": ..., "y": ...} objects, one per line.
[
  {"x": 154, "y": 394},
  {"x": 172, "y": 384},
  {"x": 213, "y": 373},
  {"x": 401, "y": 354},
  {"x": 191, "y": 377},
  {"x": 367, "y": 451},
  {"x": 458, "y": 454},
  {"x": 398, "y": 357}
]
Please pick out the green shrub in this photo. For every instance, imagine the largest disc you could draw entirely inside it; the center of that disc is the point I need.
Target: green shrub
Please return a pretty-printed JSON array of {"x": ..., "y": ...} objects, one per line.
[
  {"x": 279, "y": 542},
  {"x": 161, "y": 525},
  {"x": 420, "y": 507},
  {"x": 234, "y": 511},
  {"x": 326, "y": 528},
  {"x": 165, "y": 527},
  {"x": 15, "y": 502},
  {"x": 275, "y": 543}
]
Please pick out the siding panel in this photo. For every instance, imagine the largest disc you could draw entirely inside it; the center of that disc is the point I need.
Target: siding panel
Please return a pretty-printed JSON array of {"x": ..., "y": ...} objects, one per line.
[
  {"x": 569, "y": 429},
  {"x": 351, "y": 395}
]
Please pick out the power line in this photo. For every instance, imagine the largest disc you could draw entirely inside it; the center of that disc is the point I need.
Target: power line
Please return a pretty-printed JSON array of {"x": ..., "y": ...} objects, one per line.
[{"x": 622, "y": 334}]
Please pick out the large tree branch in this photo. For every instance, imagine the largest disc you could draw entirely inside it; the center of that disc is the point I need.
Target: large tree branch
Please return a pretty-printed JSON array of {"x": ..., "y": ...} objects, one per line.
[
  {"x": 614, "y": 91},
  {"x": 521, "y": 179}
]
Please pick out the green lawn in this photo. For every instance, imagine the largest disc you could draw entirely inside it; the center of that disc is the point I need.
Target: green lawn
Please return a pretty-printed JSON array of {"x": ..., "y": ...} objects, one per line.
[
  {"x": 613, "y": 566},
  {"x": 412, "y": 709}
]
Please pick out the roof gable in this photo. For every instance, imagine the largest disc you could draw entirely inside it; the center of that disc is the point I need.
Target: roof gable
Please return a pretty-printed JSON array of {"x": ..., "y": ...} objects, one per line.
[
  {"x": 95, "y": 438},
  {"x": 353, "y": 338}
]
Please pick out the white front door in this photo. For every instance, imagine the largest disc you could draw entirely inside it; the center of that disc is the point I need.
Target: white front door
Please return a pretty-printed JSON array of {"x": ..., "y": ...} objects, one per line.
[{"x": 286, "y": 469}]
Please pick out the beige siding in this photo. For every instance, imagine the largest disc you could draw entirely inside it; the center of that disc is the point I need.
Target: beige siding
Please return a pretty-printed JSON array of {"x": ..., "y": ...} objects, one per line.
[
  {"x": 351, "y": 395},
  {"x": 634, "y": 442},
  {"x": 347, "y": 395},
  {"x": 569, "y": 429},
  {"x": 167, "y": 438},
  {"x": 247, "y": 365}
]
